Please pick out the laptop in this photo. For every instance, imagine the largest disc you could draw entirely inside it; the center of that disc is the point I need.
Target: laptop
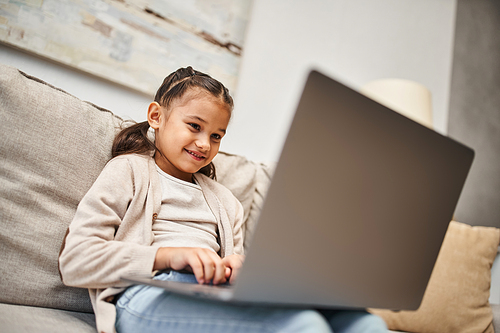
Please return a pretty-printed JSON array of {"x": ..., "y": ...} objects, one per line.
[{"x": 355, "y": 213}]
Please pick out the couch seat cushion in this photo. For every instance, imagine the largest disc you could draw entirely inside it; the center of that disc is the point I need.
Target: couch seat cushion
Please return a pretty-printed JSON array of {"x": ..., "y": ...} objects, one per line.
[{"x": 28, "y": 319}]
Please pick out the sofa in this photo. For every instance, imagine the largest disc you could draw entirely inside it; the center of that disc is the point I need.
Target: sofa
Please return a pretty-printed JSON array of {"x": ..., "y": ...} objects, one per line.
[{"x": 53, "y": 146}]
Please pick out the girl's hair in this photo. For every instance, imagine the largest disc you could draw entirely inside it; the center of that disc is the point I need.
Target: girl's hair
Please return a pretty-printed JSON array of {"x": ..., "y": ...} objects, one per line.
[{"x": 134, "y": 139}]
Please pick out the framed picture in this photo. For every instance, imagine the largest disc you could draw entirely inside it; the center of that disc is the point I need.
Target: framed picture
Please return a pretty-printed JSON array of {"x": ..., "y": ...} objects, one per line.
[{"x": 134, "y": 43}]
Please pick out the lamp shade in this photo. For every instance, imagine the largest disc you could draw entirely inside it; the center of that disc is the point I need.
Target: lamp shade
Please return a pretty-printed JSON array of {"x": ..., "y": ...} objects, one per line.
[{"x": 409, "y": 98}]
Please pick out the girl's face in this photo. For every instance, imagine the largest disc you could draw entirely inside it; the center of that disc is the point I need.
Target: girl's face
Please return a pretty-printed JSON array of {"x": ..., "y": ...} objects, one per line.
[{"x": 189, "y": 134}]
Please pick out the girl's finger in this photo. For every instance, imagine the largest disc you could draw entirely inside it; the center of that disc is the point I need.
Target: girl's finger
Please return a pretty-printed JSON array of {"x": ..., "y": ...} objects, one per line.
[
  {"x": 197, "y": 267},
  {"x": 215, "y": 268},
  {"x": 228, "y": 272},
  {"x": 208, "y": 265},
  {"x": 220, "y": 270}
]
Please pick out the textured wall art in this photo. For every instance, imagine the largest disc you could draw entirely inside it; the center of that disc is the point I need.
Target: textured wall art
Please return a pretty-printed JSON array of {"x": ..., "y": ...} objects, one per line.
[{"x": 135, "y": 43}]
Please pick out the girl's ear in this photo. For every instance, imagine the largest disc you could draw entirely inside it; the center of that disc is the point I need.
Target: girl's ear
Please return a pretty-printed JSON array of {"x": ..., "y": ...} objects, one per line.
[{"x": 154, "y": 115}]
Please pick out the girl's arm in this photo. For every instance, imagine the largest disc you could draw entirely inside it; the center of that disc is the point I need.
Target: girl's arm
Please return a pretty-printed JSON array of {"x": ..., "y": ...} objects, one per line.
[{"x": 95, "y": 254}]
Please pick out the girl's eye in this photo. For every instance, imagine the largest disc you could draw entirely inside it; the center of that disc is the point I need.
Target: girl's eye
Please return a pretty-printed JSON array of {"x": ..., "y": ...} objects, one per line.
[
  {"x": 216, "y": 136},
  {"x": 195, "y": 126}
]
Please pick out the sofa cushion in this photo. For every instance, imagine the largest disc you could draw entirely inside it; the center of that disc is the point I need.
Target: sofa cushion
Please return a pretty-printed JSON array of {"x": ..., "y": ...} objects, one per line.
[
  {"x": 53, "y": 146},
  {"x": 456, "y": 298},
  {"x": 21, "y": 318},
  {"x": 248, "y": 181}
]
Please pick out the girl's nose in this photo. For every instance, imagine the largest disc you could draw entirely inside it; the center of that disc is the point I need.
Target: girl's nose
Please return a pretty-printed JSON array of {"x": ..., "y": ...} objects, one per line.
[{"x": 203, "y": 144}]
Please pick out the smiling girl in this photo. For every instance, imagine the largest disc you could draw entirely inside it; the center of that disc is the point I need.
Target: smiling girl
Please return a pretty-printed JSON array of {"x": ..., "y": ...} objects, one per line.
[{"x": 156, "y": 209}]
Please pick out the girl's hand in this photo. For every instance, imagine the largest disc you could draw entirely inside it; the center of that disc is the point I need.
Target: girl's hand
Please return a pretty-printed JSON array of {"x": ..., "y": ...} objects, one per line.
[
  {"x": 233, "y": 265},
  {"x": 205, "y": 264}
]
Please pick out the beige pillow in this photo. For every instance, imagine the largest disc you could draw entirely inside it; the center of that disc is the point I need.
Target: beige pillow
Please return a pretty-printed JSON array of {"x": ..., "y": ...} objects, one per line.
[
  {"x": 249, "y": 182},
  {"x": 52, "y": 148},
  {"x": 456, "y": 298}
]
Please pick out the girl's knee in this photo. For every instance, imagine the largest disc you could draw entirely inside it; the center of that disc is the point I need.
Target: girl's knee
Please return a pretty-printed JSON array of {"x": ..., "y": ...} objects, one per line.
[
  {"x": 357, "y": 322},
  {"x": 372, "y": 323},
  {"x": 306, "y": 321}
]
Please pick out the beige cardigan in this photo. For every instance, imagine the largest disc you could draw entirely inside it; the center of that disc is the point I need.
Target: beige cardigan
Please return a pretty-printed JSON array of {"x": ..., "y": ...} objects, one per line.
[{"x": 111, "y": 233}]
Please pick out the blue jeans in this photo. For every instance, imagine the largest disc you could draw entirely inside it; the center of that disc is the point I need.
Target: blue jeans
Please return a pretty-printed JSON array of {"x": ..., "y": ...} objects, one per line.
[{"x": 148, "y": 309}]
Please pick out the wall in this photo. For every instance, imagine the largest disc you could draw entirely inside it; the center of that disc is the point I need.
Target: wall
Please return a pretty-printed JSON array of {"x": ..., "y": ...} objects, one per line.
[
  {"x": 356, "y": 41},
  {"x": 474, "y": 117}
]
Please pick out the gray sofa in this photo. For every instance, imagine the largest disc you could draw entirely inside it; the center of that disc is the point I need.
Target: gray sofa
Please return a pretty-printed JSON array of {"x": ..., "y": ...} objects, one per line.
[{"x": 52, "y": 148}]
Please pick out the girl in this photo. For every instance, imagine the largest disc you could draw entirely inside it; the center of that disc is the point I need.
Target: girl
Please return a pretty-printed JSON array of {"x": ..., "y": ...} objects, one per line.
[{"x": 156, "y": 207}]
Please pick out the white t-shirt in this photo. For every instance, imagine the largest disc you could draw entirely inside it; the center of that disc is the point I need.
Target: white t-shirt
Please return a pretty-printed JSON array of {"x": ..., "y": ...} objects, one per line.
[{"x": 185, "y": 219}]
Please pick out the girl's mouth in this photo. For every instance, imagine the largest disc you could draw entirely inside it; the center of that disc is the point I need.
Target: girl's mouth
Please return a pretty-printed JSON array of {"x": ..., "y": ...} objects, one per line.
[{"x": 196, "y": 156}]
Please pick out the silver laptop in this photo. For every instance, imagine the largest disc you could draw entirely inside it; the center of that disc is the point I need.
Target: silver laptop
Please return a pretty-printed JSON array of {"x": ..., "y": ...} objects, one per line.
[{"x": 356, "y": 211}]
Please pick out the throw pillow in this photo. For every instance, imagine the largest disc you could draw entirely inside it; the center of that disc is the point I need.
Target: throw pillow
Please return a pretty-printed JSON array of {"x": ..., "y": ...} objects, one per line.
[{"x": 53, "y": 146}]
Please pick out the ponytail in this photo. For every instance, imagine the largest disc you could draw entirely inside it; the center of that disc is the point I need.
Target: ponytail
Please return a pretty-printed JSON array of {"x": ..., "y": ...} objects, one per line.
[{"x": 133, "y": 140}]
